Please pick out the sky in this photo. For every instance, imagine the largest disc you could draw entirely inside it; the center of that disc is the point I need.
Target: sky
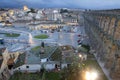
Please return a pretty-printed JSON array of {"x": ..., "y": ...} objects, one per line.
[{"x": 82, "y": 4}]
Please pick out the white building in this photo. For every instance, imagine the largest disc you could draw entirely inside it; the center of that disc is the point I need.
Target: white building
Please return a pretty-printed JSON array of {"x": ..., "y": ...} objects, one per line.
[
  {"x": 37, "y": 67},
  {"x": 57, "y": 15},
  {"x": 2, "y": 23},
  {"x": 38, "y": 17}
]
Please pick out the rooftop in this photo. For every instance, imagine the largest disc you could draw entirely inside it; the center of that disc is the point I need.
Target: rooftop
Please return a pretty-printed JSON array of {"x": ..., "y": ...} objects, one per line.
[
  {"x": 66, "y": 47},
  {"x": 34, "y": 56},
  {"x": 20, "y": 61}
]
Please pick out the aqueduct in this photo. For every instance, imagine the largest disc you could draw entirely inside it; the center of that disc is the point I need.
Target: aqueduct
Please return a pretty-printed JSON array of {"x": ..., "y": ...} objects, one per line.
[{"x": 103, "y": 29}]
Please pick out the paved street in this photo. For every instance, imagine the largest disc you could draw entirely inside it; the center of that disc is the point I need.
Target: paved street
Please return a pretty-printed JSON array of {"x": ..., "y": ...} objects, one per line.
[
  {"x": 68, "y": 38},
  {"x": 62, "y": 38},
  {"x": 65, "y": 38}
]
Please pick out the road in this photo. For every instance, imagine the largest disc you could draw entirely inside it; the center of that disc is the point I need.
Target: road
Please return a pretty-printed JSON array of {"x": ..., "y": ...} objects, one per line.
[
  {"x": 62, "y": 38},
  {"x": 68, "y": 38}
]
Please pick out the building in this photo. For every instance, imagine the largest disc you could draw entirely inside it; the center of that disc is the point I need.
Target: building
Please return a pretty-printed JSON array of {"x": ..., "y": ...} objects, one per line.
[
  {"x": 4, "y": 57},
  {"x": 11, "y": 12},
  {"x": 7, "y": 23},
  {"x": 57, "y": 15},
  {"x": 70, "y": 19},
  {"x": 25, "y": 8},
  {"x": 1, "y": 18},
  {"x": 1, "y": 41},
  {"x": 7, "y": 62},
  {"x": 2, "y": 23},
  {"x": 45, "y": 25}
]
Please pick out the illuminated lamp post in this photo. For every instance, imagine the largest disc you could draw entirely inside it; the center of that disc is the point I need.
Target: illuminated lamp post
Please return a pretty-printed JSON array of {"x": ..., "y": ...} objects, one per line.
[{"x": 91, "y": 75}]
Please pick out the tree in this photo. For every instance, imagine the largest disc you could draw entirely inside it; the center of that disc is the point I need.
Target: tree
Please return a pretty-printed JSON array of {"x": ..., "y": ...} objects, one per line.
[
  {"x": 63, "y": 11},
  {"x": 42, "y": 44},
  {"x": 32, "y": 10},
  {"x": 73, "y": 71},
  {"x": 86, "y": 47}
]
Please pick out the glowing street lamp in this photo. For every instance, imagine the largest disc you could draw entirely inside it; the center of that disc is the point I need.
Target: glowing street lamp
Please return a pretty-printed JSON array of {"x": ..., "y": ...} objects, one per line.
[
  {"x": 91, "y": 76},
  {"x": 94, "y": 75},
  {"x": 80, "y": 55},
  {"x": 87, "y": 76}
]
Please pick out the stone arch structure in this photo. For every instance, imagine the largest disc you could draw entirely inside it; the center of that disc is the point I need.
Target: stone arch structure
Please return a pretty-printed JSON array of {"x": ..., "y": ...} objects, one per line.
[
  {"x": 117, "y": 32},
  {"x": 103, "y": 29}
]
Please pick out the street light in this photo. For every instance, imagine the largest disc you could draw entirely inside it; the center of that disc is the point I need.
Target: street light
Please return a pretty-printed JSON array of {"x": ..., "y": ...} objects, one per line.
[
  {"x": 80, "y": 55},
  {"x": 87, "y": 75},
  {"x": 90, "y": 75},
  {"x": 94, "y": 75}
]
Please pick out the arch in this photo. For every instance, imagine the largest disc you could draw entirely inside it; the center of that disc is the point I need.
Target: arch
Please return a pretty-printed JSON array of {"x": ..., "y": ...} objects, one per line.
[
  {"x": 112, "y": 26},
  {"x": 117, "y": 32}
]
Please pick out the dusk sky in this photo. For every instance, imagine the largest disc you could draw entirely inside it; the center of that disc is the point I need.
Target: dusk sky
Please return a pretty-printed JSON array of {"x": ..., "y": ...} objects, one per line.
[{"x": 83, "y": 4}]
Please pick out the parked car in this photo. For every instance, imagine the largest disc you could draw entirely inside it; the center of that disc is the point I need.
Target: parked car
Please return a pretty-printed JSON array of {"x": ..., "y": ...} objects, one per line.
[
  {"x": 78, "y": 40},
  {"x": 79, "y": 35}
]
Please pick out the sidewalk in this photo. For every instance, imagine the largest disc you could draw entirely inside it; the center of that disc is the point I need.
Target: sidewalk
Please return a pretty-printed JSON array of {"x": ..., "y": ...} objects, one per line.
[{"x": 103, "y": 68}]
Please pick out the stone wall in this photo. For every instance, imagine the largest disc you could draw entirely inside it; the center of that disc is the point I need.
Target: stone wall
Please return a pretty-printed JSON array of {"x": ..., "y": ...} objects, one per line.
[{"x": 103, "y": 29}]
